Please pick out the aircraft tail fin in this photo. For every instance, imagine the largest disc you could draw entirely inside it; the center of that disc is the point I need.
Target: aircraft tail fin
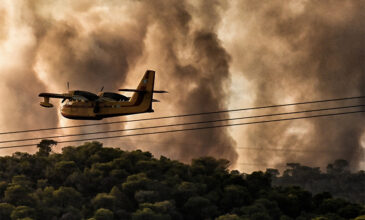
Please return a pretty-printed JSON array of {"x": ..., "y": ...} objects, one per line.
[{"x": 144, "y": 92}]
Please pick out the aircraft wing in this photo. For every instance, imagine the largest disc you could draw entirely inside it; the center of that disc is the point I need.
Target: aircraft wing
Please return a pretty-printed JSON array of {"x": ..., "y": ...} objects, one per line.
[
  {"x": 47, "y": 95},
  {"x": 55, "y": 95}
]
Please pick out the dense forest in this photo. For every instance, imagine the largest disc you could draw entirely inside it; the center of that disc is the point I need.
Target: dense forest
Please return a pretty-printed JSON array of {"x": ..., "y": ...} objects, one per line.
[
  {"x": 338, "y": 180},
  {"x": 94, "y": 182}
]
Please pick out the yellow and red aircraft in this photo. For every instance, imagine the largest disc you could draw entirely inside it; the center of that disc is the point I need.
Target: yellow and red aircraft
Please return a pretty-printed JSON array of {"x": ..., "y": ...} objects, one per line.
[{"x": 89, "y": 106}]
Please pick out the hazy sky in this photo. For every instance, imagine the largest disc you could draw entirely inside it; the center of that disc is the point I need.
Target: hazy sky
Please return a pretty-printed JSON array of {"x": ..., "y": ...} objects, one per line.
[{"x": 209, "y": 55}]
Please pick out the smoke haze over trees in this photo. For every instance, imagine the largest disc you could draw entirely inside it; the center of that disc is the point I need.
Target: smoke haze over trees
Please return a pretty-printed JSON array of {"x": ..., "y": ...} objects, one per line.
[
  {"x": 303, "y": 50},
  {"x": 337, "y": 180}
]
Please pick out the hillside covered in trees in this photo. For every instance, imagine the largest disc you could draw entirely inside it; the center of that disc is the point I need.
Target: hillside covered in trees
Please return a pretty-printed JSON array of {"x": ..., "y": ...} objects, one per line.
[
  {"x": 337, "y": 180},
  {"x": 93, "y": 182}
]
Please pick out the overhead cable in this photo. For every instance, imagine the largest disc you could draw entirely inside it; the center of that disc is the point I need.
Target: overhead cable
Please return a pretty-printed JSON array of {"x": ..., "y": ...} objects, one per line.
[
  {"x": 190, "y": 129},
  {"x": 184, "y": 115},
  {"x": 262, "y": 165},
  {"x": 282, "y": 150},
  {"x": 181, "y": 124}
]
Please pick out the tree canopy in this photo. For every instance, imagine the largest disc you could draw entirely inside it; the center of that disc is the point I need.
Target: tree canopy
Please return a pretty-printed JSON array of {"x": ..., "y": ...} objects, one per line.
[
  {"x": 93, "y": 182},
  {"x": 337, "y": 180}
]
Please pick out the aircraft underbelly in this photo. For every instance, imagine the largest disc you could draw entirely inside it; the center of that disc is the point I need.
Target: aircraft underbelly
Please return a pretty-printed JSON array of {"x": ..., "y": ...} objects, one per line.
[{"x": 101, "y": 112}]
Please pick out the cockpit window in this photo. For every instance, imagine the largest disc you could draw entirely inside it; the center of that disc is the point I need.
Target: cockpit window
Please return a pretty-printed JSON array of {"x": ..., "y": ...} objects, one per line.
[
  {"x": 115, "y": 96},
  {"x": 88, "y": 95}
]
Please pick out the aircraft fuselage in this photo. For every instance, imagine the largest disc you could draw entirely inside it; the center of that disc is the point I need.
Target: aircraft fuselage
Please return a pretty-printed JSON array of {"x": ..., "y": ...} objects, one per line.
[{"x": 98, "y": 110}]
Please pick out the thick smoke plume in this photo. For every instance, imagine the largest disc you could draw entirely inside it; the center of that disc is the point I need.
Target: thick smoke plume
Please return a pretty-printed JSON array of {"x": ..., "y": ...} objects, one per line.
[
  {"x": 303, "y": 50},
  {"x": 94, "y": 44},
  {"x": 292, "y": 51}
]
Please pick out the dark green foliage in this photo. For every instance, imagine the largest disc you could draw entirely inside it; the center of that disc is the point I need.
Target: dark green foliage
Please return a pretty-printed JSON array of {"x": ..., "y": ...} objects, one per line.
[
  {"x": 350, "y": 211},
  {"x": 338, "y": 180},
  {"x": 67, "y": 196},
  {"x": 103, "y": 214},
  {"x": 199, "y": 208},
  {"x": 93, "y": 182},
  {"x": 5, "y": 211},
  {"x": 103, "y": 200},
  {"x": 45, "y": 147},
  {"x": 228, "y": 217},
  {"x": 235, "y": 196},
  {"x": 147, "y": 213},
  {"x": 21, "y": 212}
]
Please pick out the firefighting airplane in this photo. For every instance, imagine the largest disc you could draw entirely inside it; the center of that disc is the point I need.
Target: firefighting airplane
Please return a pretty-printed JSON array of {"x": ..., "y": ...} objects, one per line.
[{"x": 89, "y": 106}]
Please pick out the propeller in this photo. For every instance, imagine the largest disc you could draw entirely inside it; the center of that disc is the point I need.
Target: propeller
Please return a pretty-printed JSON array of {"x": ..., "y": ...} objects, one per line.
[
  {"x": 97, "y": 107},
  {"x": 68, "y": 90}
]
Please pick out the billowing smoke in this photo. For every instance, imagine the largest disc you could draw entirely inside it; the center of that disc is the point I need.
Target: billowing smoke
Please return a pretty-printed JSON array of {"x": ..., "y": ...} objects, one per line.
[
  {"x": 195, "y": 70},
  {"x": 303, "y": 50},
  {"x": 97, "y": 44},
  {"x": 293, "y": 51},
  {"x": 19, "y": 82}
]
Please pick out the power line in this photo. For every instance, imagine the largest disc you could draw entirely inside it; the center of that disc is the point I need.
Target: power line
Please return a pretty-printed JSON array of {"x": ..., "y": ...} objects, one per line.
[
  {"x": 282, "y": 150},
  {"x": 181, "y": 124},
  {"x": 260, "y": 164},
  {"x": 240, "y": 148},
  {"x": 190, "y": 129},
  {"x": 183, "y": 115}
]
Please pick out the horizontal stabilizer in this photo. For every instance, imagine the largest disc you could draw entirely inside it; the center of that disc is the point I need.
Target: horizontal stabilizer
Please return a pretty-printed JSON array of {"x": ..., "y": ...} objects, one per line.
[
  {"x": 135, "y": 90},
  {"x": 159, "y": 91},
  {"x": 130, "y": 90}
]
